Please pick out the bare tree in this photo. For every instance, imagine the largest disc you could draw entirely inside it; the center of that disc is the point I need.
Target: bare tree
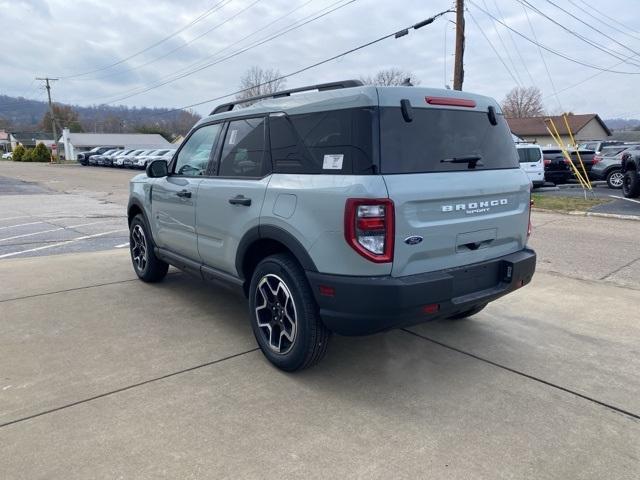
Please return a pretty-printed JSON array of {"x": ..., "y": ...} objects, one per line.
[
  {"x": 258, "y": 81},
  {"x": 523, "y": 102},
  {"x": 390, "y": 77}
]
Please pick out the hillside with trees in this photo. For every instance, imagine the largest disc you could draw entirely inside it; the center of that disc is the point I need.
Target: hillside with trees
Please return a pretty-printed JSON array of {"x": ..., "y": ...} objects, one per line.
[{"x": 22, "y": 114}]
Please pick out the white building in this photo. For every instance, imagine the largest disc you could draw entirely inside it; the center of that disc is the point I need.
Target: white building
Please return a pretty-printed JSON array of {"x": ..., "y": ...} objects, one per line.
[{"x": 74, "y": 143}]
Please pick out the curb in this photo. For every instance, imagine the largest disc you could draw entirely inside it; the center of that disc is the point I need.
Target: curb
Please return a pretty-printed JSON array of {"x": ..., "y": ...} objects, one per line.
[
  {"x": 577, "y": 185},
  {"x": 577, "y": 213}
]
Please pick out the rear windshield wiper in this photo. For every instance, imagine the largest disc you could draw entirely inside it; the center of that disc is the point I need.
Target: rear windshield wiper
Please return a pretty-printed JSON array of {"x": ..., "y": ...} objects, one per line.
[{"x": 471, "y": 160}]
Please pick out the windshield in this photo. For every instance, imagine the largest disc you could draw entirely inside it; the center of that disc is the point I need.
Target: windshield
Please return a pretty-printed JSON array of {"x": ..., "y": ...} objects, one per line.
[{"x": 439, "y": 140}]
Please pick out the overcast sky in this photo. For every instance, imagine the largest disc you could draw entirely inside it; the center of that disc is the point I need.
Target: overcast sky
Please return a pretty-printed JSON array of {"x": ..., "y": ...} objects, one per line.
[{"x": 63, "y": 38}]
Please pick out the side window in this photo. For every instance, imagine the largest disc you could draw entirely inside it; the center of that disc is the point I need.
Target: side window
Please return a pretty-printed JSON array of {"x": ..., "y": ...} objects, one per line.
[
  {"x": 193, "y": 158},
  {"x": 243, "y": 149},
  {"x": 331, "y": 142}
]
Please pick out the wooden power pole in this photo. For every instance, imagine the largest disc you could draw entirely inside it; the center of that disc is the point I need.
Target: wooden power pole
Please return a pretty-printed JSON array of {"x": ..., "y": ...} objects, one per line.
[
  {"x": 47, "y": 85},
  {"x": 458, "y": 69}
]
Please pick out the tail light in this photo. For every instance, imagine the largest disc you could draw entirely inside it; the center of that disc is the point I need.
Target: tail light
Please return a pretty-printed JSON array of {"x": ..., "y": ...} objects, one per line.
[
  {"x": 369, "y": 228},
  {"x": 596, "y": 159},
  {"x": 547, "y": 162}
]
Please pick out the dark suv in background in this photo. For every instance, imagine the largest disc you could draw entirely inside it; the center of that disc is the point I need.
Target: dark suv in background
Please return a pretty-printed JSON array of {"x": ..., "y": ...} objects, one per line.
[{"x": 83, "y": 158}]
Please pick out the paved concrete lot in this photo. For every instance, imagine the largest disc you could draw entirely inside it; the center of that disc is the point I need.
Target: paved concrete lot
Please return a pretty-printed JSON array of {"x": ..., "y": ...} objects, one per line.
[{"x": 103, "y": 376}]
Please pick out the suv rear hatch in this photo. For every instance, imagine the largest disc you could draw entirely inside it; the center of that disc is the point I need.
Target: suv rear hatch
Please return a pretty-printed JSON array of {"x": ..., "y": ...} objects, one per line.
[{"x": 460, "y": 197}]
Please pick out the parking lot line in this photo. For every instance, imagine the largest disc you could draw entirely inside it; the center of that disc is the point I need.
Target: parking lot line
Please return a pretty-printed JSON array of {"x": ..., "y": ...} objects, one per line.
[
  {"x": 67, "y": 242},
  {"x": 49, "y": 231},
  {"x": 627, "y": 199},
  {"x": 122, "y": 245},
  {"x": 20, "y": 225}
]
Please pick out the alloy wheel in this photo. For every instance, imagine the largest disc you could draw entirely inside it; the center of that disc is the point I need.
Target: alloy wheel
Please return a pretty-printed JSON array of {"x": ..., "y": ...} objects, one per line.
[
  {"x": 139, "y": 248},
  {"x": 276, "y": 313},
  {"x": 616, "y": 179}
]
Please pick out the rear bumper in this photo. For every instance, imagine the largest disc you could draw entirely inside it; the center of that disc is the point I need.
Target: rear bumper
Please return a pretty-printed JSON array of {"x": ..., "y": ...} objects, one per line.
[{"x": 364, "y": 305}]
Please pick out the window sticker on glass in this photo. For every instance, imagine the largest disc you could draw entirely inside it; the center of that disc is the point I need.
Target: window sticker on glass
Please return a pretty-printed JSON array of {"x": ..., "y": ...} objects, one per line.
[
  {"x": 332, "y": 162},
  {"x": 233, "y": 137}
]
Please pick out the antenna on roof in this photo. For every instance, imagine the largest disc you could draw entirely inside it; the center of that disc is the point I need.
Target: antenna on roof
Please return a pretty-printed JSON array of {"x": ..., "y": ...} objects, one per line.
[{"x": 407, "y": 83}]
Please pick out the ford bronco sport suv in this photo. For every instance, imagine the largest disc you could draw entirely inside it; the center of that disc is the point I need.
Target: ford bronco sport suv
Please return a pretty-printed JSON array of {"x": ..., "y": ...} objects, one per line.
[{"x": 341, "y": 208}]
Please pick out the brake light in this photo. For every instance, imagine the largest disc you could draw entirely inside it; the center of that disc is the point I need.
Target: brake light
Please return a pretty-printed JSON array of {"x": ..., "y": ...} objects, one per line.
[
  {"x": 547, "y": 161},
  {"x": 454, "y": 102},
  {"x": 369, "y": 228},
  {"x": 596, "y": 159}
]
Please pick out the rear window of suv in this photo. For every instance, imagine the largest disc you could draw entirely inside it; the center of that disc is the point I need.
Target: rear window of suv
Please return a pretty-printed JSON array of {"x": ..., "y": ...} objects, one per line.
[
  {"x": 529, "y": 155},
  {"x": 434, "y": 135}
]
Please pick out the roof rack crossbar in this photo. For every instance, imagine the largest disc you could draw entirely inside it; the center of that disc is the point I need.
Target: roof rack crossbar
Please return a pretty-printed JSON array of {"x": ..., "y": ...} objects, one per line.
[{"x": 227, "y": 107}]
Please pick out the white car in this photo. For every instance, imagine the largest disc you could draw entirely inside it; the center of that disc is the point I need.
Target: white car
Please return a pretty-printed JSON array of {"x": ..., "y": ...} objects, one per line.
[
  {"x": 531, "y": 162},
  {"x": 7, "y": 156}
]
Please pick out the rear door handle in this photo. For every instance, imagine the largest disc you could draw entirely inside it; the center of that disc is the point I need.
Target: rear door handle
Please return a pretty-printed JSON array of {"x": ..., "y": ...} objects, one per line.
[
  {"x": 240, "y": 200},
  {"x": 184, "y": 194}
]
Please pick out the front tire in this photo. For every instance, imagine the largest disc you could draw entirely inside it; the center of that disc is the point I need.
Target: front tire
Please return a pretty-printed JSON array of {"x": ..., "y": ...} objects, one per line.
[
  {"x": 284, "y": 315},
  {"x": 631, "y": 184},
  {"x": 615, "y": 179},
  {"x": 146, "y": 264}
]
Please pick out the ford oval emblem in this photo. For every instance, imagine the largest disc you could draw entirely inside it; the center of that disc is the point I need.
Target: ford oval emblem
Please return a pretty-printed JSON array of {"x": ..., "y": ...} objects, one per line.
[{"x": 413, "y": 240}]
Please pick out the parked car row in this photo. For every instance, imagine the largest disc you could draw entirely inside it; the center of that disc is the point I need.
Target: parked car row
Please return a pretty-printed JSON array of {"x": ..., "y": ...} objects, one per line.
[
  {"x": 603, "y": 162},
  {"x": 124, "y": 157}
]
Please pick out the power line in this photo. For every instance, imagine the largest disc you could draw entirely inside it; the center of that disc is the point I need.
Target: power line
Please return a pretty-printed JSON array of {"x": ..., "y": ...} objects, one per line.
[
  {"x": 234, "y": 54},
  {"x": 397, "y": 34},
  {"x": 600, "y": 19},
  {"x": 610, "y": 18},
  {"x": 550, "y": 50},
  {"x": 546, "y": 67},
  {"x": 515, "y": 45},
  {"x": 179, "y": 47},
  {"x": 200, "y": 17},
  {"x": 494, "y": 49},
  {"x": 201, "y": 61},
  {"x": 504, "y": 47},
  {"x": 594, "y": 28},
  {"x": 600, "y": 47}
]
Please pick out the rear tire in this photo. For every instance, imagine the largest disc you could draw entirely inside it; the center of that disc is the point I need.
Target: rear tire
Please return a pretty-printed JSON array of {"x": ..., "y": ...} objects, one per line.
[
  {"x": 467, "y": 313},
  {"x": 631, "y": 184},
  {"x": 284, "y": 315},
  {"x": 615, "y": 178},
  {"x": 147, "y": 266}
]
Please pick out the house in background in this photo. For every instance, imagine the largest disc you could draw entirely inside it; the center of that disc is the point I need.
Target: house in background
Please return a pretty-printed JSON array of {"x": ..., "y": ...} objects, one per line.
[
  {"x": 588, "y": 126},
  {"x": 74, "y": 143},
  {"x": 5, "y": 141},
  {"x": 30, "y": 139}
]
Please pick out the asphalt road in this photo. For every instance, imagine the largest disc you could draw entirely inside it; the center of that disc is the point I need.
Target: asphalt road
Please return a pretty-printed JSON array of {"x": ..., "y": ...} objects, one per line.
[
  {"x": 36, "y": 220},
  {"x": 103, "y": 376},
  {"x": 617, "y": 204}
]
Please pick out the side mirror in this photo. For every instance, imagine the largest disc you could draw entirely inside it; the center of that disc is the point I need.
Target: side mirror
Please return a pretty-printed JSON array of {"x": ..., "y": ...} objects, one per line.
[{"x": 157, "y": 169}]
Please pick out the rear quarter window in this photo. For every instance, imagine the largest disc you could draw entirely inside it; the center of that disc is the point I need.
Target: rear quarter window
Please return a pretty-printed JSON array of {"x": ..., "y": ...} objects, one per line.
[
  {"x": 331, "y": 142},
  {"x": 434, "y": 135}
]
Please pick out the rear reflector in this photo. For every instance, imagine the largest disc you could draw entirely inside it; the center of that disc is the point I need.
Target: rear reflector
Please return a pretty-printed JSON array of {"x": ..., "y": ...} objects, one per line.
[
  {"x": 431, "y": 308},
  {"x": 327, "y": 291},
  {"x": 454, "y": 102}
]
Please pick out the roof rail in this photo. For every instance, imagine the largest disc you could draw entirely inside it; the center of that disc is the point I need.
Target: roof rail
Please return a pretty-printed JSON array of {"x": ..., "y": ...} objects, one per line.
[{"x": 227, "y": 107}]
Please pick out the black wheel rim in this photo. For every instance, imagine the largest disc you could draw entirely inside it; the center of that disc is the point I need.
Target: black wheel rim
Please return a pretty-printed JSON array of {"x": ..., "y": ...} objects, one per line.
[{"x": 276, "y": 314}]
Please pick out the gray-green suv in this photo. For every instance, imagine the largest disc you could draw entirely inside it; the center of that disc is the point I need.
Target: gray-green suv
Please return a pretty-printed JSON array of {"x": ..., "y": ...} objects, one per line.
[{"x": 341, "y": 208}]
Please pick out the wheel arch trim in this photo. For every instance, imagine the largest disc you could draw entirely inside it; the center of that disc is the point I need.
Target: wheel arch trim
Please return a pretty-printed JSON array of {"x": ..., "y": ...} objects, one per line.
[{"x": 280, "y": 235}]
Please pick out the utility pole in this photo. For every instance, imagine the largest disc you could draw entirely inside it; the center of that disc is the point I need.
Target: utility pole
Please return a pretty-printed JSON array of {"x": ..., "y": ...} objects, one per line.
[
  {"x": 47, "y": 85},
  {"x": 458, "y": 69}
]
